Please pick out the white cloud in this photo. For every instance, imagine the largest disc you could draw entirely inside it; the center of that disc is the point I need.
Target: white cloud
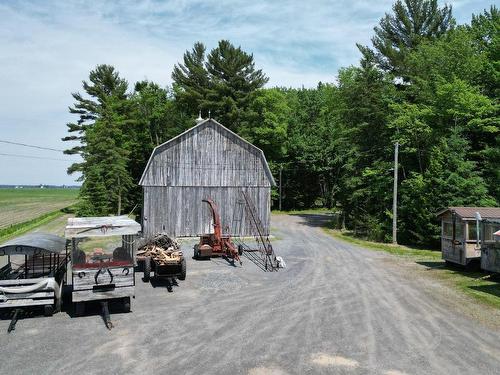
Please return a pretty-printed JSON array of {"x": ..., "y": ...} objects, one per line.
[{"x": 48, "y": 48}]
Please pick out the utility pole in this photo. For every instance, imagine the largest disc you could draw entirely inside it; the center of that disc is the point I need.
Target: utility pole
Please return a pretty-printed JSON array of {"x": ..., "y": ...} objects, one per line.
[
  {"x": 395, "y": 197},
  {"x": 281, "y": 169},
  {"x": 119, "y": 197}
]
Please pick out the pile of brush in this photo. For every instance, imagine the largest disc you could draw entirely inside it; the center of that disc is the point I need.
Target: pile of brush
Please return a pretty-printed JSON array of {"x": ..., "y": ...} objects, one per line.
[{"x": 162, "y": 249}]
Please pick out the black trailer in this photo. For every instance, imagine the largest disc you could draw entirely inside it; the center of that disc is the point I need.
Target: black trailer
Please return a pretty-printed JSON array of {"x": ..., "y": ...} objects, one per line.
[{"x": 32, "y": 275}]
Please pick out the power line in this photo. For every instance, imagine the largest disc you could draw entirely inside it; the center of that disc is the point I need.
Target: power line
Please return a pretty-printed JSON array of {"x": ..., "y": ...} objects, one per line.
[
  {"x": 33, "y": 146},
  {"x": 32, "y": 157}
]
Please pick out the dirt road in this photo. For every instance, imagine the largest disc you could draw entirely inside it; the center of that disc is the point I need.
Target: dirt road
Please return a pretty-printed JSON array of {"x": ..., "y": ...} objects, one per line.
[{"x": 336, "y": 308}]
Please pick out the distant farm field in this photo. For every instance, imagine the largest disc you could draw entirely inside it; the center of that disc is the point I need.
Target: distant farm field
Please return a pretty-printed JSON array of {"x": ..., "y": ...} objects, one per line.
[{"x": 21, "y": 205}]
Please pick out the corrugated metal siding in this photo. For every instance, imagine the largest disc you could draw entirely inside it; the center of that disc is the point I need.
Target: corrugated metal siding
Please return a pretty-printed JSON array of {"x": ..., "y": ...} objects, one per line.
[
  {"x": 179, "y": 211},
  {"x": 206, "y": 156}
]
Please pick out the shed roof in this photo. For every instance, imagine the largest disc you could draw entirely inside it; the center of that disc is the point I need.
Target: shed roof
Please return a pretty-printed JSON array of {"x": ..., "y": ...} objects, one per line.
[
  {"x": 470, "y": 212},
  {"x": 202, "y": 124},
  {"x": 34, "y": 242}
]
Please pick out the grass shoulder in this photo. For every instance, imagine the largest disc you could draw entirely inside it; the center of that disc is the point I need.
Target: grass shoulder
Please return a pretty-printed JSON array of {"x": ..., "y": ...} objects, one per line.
[{"x": 405, "y": 251}]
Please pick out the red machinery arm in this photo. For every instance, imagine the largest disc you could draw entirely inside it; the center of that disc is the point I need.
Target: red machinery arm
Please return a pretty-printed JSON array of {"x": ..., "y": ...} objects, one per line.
[
  {"x": 216, "y": 218},
  {"x": 224, "y": 242}
]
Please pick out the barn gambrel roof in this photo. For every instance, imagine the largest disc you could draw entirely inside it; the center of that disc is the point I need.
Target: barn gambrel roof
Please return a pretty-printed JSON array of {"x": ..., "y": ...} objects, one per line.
[{"x": 219, "y": 127}]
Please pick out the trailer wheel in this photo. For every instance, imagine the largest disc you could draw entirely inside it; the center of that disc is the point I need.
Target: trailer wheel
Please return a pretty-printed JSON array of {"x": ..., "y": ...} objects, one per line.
[
  {"x": 183, "y": 270},
  {"x": 126, "y": 304},
  {"x": 48, "y": 310},
  {"x": 196, "y": 252},
  {"x": 240, "y": 250},
  {"x": 147, "y": 268}
]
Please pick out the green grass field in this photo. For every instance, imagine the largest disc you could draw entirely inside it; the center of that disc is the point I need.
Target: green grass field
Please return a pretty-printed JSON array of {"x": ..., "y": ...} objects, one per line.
[
  {"x": 21, "y": 205},
  {"x": 25, "y": 209}
]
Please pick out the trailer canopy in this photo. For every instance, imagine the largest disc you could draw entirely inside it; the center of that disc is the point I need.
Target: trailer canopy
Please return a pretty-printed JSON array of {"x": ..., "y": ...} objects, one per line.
[
  {"x": 79, "y": 227},
  {"x": 34, "y": 244}
]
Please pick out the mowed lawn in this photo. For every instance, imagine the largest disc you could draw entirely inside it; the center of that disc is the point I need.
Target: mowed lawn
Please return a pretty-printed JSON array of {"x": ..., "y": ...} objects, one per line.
[{"x": 21, "y": 205}]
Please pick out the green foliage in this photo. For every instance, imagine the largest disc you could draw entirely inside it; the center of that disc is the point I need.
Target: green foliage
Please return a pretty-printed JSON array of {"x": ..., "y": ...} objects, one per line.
[
  {"x": 104, "y": 116},
  {"x": 412, "y": 22},
  {"x": 265, "y": 123},
  {"x": 222, "y": 82},
  {"x": 484, "y": 30},
  {"x": 449, "y": 180},
  {"x": 191, "y": 80},
  {"x": 333, "y": 145}
]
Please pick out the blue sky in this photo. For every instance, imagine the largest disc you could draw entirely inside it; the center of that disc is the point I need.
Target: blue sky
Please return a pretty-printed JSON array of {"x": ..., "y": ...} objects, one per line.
[{"x": 48, "y": 47}]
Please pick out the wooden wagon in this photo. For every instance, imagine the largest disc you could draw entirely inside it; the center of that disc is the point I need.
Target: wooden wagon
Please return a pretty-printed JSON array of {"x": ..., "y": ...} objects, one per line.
[
  {"x": 33, "y": 273},
  {"x": 102, "y": 267}
]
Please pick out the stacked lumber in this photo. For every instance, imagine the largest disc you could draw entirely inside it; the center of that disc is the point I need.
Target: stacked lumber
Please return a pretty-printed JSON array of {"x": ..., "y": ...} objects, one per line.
[{"x": 162, "y": 249}]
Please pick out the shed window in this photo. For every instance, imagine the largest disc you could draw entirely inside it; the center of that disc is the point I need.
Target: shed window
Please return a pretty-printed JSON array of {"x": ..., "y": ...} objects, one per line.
[
  {"x": 472, "y": 231},
  {"x": 448, "y": 229},
  {"x": 489, "y": 229}
]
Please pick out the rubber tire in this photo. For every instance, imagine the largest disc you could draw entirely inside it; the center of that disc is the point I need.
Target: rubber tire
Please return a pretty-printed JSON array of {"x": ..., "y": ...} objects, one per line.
[
  {"x": 147, "y": 268},
  {"x": 183, "y": 270},
  {"x": 48, "y": 310},
  {"x": 196, "y": 252},
  {"x": 79, "y": 308},
  {"x": 126, "y": 304},
  {"x": 240, "y": 250}
]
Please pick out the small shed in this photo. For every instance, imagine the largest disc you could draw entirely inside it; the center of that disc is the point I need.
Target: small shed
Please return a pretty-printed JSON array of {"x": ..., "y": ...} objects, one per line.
[
  {"x": 490, "y": 245},
  {"x": 206, "y": 161},
  {"x": 459, "y": 233}
]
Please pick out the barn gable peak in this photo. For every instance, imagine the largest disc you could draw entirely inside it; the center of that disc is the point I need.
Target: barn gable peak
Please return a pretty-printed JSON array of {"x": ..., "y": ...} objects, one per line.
[{"x": 199, "y": 128}]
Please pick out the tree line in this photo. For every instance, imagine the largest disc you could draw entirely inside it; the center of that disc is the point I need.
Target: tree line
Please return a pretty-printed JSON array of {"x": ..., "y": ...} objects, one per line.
[{"x": 425, "y": 82}]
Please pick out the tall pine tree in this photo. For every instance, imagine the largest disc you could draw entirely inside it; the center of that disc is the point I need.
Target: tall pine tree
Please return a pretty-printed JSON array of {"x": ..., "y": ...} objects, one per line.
[
  {"x": 412, "y": 22},
  {"x": 104, "y": 115},
  {"x": 222, "y": 82}
]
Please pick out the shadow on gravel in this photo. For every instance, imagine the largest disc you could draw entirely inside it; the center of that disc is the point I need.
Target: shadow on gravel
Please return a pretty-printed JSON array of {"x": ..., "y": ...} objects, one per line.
[
  {"x": 316, "y": 220},
  {"x": 256, "y": 259},
  {"x": 490, "y": 289},
  {"x": 472, "y": 273},
  {"x": 94, "y": 308},
  {"x": 168, "y": 282}
]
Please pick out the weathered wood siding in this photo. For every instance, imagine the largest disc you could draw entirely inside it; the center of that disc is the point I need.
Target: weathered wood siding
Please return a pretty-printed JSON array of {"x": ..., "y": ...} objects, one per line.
[
  {"x": 45, "y": 296},
  {"x": 206, "y": 156},
  {"x": 208, "y": 161},
  {"x": 179, "y": 211},
  {"x": 84, "y": 279},
  {"x": 490, "y": 257}
]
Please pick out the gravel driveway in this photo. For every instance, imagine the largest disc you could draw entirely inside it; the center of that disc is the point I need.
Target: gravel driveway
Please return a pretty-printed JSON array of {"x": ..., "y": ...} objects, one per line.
[{"x": 336, "y": 308}]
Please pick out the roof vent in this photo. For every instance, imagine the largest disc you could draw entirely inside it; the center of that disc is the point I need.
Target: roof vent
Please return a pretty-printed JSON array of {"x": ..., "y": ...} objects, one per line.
[{"x": 199, "y": 119}]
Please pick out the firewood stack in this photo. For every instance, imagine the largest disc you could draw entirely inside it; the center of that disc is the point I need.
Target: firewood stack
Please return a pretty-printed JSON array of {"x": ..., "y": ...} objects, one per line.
[{"x": 162, "y": 249}]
